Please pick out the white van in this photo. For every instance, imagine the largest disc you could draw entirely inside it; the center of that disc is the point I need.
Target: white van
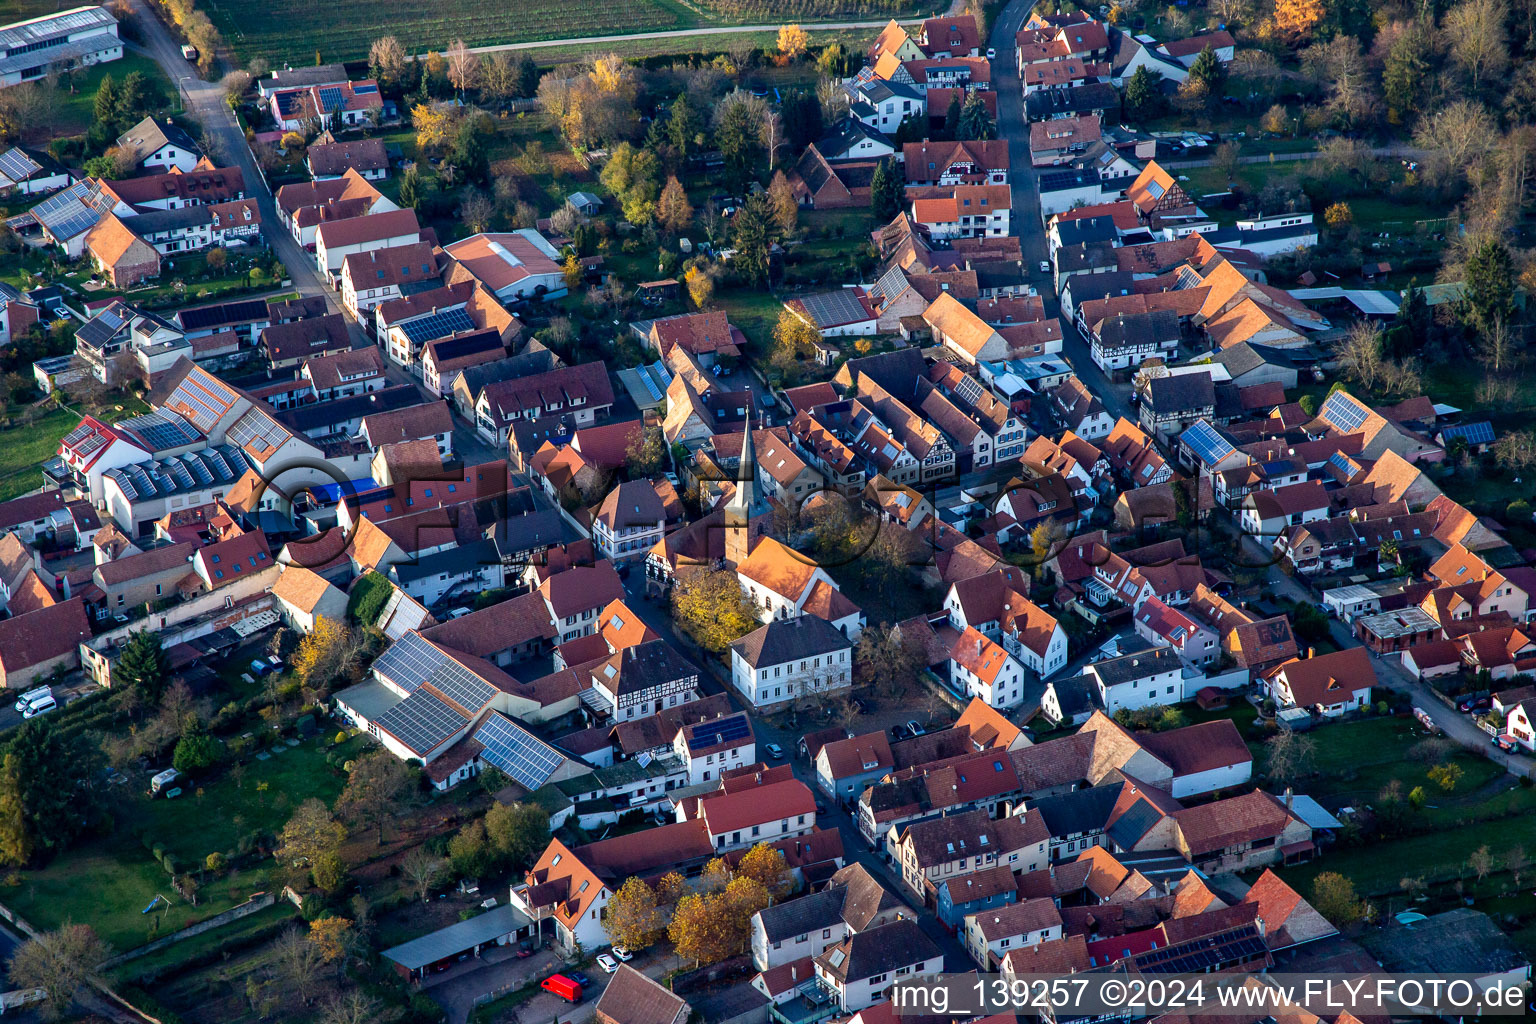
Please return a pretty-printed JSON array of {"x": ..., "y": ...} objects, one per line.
[
  {"x": 39, "y": 707},
  {"x": 32, "y": 696}
]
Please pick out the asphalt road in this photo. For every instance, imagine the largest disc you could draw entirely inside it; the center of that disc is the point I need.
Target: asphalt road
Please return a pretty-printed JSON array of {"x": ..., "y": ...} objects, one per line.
[{"x": 1025, "y": 216}]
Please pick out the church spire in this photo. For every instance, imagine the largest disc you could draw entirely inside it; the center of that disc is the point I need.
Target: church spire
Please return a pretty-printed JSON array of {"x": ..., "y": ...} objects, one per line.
[{"x": 742, "y": 506}]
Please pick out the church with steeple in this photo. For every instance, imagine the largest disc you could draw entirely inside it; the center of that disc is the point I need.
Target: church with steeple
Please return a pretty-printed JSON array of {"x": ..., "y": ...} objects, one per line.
[{"x": 746, "y": 504}]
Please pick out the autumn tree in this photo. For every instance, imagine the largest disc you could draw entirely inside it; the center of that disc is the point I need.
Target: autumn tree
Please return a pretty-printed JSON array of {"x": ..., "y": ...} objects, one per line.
[
  {"x": 310, "y": 834},
  {"x": 700, "y": 284},
  {"x": 646, "y": 455},
  {"x": 1333, "y": 896},
  {"x": 885, "y": 659},
  {"x": 60, "y": 963},
  {"x": 518, "y": 832},
  {"x": 700, "y": 929},
  {"x": 1295, "y": 19},
  {"x": 742, "y": 898},
  {"x": 328, "y": 651},
  {"x": 767, "y": 867},
  {"x": 793, "y": 41},
  {"x": 1446, "y": 775},
  {"x": 781, "y": 199},
  {"x": 435, "y": 126},
  {"x": 1458, "y": 133},
  {"x": 633, "y": 917},
  {"x": 673, "y": 211},
  {"x": 332, "y": 938},
  {"x": 376, "y": 790},
  {"x": 1338, "y": 216},
  {"x": 711, "y": 608}
]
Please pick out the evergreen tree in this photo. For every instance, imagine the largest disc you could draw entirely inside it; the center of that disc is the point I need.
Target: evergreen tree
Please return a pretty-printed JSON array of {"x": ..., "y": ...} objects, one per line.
[
  {"x": 684, "y": 125},
  {"x": 527, "y": 76},
  {"x": 1141, "y": 92},
  {"x": 107, "y": 99},
  {"x": 952, "y": 118},
  {"x": 46, "y": 794},
  {"x": 1208, "y": 71},
  {"x": 1403, "y": 74},
  {"x": 1490, "y": 287},
  {"x": 144, "y": 666},
  {"x": 752, "y": 234},
  {"x": 802, "y": 119},
  {"x": 975, "y": 122},
  {"x": 887, "y": 192}
]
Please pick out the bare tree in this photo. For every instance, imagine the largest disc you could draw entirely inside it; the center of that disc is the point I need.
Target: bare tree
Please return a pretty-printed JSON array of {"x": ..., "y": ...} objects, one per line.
[
  {"x": 498, "y": 72},
  {"x": 1288, "y": 756},
  {"x": 421, "y": 869},
  {"x": 1478, "y": 38},
  {"x": 355, "y": 1007},
  {"x": 387, "y": 57},
  {"x": 1500, "y": 345},
  {"x": 1460, "y": 132},
  {"x": 463, "y": 66},
  {"x": 1360, "y": 353},
  {"x": 299, "y": 962},
  {"x": 1341, "y": 69},
  {"x": 60, "y": 963},
  {"x": 1517, "y": 862},
  {"x": 1481, "y": 862}
]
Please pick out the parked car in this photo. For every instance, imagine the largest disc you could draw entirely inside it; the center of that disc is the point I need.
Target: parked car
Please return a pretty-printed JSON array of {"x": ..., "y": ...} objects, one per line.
[
  {"x": 624, "y": 955},
  {"x": 1045, "y": 266},
  {"x": 775, "y": 751},
  {"x": 565, "y": 988},
  {"x": 580, "y": 978},
  {"x": 1472, "y": 705},
  {"x": 859, "y": 706},
  {"x": 914, "y": 728},
  {"x": 607, "y": 963},
  {"x": 899, "y": 732}
]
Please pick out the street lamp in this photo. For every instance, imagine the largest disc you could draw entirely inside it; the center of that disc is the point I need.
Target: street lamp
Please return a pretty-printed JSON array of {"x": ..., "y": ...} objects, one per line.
[{"x": 181, "y": 90}]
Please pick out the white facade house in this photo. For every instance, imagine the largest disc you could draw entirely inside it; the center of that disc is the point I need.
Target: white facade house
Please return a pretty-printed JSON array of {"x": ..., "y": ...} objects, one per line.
[
  {"x": 78, "y": 37},
  {"x": 711, "y": 748},
  {"x": 980, "y": 668},
  {"x": 1138, "y": 680},
  {"x": 861, "y": 969},
  {"x": 992, "y": 934},
  {"x": 784, "y": 660}
]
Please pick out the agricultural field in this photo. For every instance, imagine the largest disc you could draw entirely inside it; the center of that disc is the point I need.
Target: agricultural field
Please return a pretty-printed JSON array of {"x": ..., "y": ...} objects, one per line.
[{"x": 296, "y": 32}]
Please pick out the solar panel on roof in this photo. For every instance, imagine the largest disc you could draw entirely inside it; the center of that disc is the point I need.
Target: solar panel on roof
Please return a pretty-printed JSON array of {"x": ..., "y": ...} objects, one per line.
[
  {"x": 17, "y": 166},
  {"x": 330, "y": 98},
  {"x": 77, "y": 435},
  {"x": 1344, "y": 412},
  {"x": 528, "y": 760},
  {"x": 441, "y": 324},
  {"x": 831, "y": 309},
  {"x": 422, "y": 721},
  {"x": 722, "y": 730},
  {"x": 364, "y": 89},
  {"x": 1208, "y": 445},
  {"x": 1473, "y": 433},
  {"x": 412, "y": 661}
]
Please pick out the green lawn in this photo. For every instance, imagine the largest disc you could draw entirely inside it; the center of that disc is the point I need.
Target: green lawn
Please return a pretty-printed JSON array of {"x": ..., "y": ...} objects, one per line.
[
  {"x": 23, "y": 449},
  {"x": 77, "y": 109},
  {"x": 124, "y": 877}
]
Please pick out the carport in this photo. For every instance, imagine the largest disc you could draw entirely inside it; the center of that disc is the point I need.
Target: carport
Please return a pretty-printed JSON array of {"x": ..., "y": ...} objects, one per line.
[{"x": 440, "y": 949}]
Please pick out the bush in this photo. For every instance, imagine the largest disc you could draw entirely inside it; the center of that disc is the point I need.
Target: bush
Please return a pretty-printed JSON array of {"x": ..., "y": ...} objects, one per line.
[
  {"x": 169, "y": 863},
  {"x": 312, "y": 907}
]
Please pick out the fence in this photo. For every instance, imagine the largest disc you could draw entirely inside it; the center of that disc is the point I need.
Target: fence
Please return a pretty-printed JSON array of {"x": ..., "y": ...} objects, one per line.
[
  {"x": 23, "y": 926},
  {"x": 260, "y": 901}
]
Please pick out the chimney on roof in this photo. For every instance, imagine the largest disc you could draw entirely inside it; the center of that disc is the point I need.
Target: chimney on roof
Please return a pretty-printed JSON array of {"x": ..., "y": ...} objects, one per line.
[{"x": 1311, "y": 652}]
